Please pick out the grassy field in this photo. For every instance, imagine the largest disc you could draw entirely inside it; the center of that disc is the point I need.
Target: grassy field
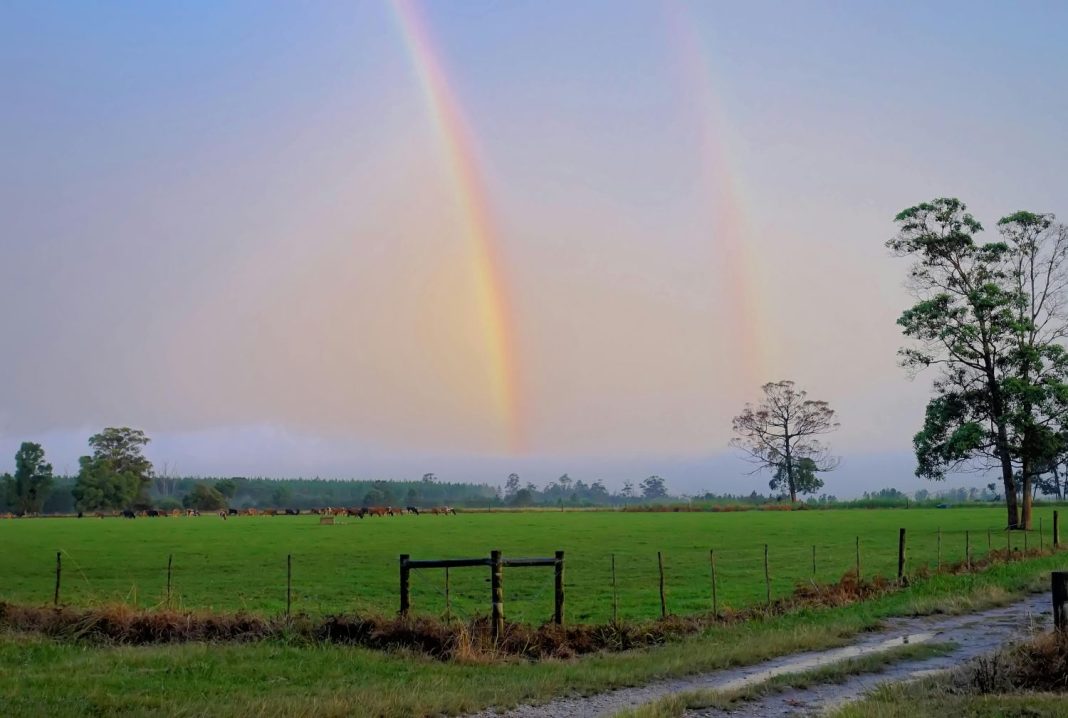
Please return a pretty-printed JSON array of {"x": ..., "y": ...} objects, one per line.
[
  {"x": 40, "y": 676},
  {"x": 352, "y": 566}
]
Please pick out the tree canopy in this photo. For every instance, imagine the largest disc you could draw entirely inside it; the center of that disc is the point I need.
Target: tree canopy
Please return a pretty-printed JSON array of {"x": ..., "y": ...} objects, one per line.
[
  {"x": 781, "y": 434},
  {"x": 27, "y": 490},
  {"x": 991, "y": 317},
  {"x": 117, "y": 475}
]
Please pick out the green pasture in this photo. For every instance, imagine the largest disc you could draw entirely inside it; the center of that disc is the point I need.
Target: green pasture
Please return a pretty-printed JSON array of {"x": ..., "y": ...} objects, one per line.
[{"x": 240, "y": 563}]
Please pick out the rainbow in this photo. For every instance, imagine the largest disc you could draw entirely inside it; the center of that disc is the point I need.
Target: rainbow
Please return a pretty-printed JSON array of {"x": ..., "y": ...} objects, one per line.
[
  {"x": 750, "y": 334},
  {"x": 494, "y": 306}
]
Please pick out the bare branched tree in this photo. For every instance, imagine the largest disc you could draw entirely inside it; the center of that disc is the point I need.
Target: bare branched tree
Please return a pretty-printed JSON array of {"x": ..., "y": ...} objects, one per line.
[
  {"x": 165, "y": 481},
  {"x": 781, "y": 434}
]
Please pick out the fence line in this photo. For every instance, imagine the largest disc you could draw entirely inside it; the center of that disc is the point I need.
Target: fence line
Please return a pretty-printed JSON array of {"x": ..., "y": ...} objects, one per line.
[{"x": 602, "y": 587}]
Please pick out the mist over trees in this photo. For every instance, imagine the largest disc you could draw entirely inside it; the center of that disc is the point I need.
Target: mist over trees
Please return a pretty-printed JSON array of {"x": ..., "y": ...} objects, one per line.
[
  {"x": 781, "y": 434},
  {"x": 992, "y": 317}
]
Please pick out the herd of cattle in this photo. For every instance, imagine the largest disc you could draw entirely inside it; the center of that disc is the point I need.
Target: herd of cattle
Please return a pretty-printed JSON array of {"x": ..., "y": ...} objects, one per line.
[{"x": 226, "y": 513}]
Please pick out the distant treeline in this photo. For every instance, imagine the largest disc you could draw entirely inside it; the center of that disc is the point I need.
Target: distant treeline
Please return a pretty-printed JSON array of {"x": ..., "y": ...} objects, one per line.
[
  {"x": 118, "y": 476},
  {"x": 180, "y": 492},
  {"x": 258, "y": 492}
]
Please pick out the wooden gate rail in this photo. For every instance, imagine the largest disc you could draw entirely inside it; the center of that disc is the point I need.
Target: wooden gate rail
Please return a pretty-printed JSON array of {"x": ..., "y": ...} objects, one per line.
[{"x": 496, "y": 562}]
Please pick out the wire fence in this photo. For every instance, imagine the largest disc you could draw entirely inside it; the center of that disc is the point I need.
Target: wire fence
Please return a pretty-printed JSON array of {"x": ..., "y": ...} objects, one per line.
[{"x": 634, "y": 582}]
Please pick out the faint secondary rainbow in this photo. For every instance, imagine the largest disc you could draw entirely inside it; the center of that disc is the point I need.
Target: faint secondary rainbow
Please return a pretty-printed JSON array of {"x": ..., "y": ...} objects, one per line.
[
  {"x": 494, "y": 305},
  {"x": 750, "y": 330}
]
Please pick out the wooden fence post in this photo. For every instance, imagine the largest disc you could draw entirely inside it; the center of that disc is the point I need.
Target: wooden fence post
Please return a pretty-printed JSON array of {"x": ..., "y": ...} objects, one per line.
[
  {"x": 615, "y": 594},
  {"x": 767, "y": 577},
  {"x": 715, "y": 600},
  {"x": 900, "y": 555},
  {"x": 558, "y": 607},
  {"x": 170, "y": 560},
  {"x": 858, "y": 560},
  {"x": 59, "y": 571},
  {"x": 497, "y": 589},
  {"x": 1056, "y": 530},
  {"x": 1059, "y": 580},
  {"x": 289, "y": 583},
  {"x": 405, "y": 585},
  {"x": 663, "y": 601},
  {"x": 448, "y": 598}
]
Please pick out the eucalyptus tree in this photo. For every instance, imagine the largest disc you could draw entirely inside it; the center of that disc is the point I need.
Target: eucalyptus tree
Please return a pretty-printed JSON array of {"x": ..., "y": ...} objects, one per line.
[
  {"x": 782, "y": 433},
  {"x": 1038, "y": 382},
  {"x": 990, "y": 315}
]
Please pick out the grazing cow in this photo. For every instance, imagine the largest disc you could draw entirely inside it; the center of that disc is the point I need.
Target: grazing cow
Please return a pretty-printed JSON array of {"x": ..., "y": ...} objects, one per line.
[
  {"x": 79, "y": 514},
  {"x": 127, "y": 514},
  {"x": 443, "y": 510},
  {"x": 223, "y": 515},
  {"x": 270, "y": 512},
  {"x": 153, "y": 513},
  {"x": 232, "y": 512},
  {"x": 292, "y": 512},
  {"x": 250, "y": 511},
  {"x": 358, "y": 513},
  {"x": 313, "y": 511},
  {"x": 176, "y": 512},
  {"x": 412, "y": 510}
]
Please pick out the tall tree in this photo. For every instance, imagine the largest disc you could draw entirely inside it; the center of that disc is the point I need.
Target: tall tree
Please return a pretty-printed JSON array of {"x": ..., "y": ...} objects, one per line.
[
  {"x": 29, "y": 487},
  {"x": 991, "y": 316},
  {"x": 117, "y": 475},
  {"x": 511, "y": 487},
  {"x": 653, "y": 487},
  {"x": 781, "y": 434},
  {"x": 1038, "y": 367}
]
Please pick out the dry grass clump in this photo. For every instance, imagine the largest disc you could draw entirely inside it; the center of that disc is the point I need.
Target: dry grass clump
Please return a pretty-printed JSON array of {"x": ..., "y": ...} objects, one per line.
[
  {"x": 1039, "y": 665},
  {"x": 471, "y": 640}
]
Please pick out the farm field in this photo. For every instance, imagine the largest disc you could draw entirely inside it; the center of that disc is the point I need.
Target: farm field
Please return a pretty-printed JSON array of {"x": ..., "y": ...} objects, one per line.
[
  {"x": 240, "y": 564},
  {"x": 282, "y": 677}
]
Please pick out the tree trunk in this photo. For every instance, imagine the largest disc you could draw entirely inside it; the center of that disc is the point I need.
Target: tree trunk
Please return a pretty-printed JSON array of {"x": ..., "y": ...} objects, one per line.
[
  {"x": 1004, "y": 455},
  {"x": 1025, "y": 518},
  {"x": 789, "y": 465},
  {"x": 1010, "y": 492}
]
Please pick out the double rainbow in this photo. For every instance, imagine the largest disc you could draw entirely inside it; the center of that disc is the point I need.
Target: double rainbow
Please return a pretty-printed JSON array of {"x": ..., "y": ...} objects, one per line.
[
  {"x": 493, "y": 303},
  {"x": 749, "y": 333}
]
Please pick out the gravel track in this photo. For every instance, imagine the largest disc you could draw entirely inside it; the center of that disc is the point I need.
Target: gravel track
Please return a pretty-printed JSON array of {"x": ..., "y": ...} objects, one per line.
[{"x": 975, "y": 634}]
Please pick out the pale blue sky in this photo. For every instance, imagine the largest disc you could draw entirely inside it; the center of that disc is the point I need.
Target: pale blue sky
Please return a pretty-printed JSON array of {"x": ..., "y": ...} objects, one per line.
[{"x": 223, "y": 221}]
